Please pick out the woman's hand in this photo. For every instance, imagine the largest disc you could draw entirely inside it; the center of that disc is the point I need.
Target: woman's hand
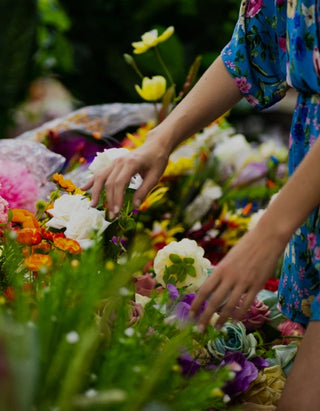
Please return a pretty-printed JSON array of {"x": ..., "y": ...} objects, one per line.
[
  {"x": 149, "y": 160},
  {"x": 238, "y": 277}
]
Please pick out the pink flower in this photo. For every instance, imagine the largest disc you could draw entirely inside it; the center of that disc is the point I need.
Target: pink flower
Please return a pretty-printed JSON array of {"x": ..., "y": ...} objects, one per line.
[
  {"x": 256, "y": 316},
  {"x": 254, "y": 6},
  {"x": 291, "y": 328},
  {"x": 18, "y": 185},
  {"x": 317, "y": 253},
  {"x": 316, "y": 60},
  {"x": 145, "y": 284},
  {"x": 312, "y": 240},
  {"x": 4, "y": 207},
  {"x": 282, "y": 43},
  {"x": 243, "y": 84}
]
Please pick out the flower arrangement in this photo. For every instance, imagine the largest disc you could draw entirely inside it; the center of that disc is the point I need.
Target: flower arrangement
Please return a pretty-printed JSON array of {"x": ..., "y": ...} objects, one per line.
[{"x": 94, "y": 309}]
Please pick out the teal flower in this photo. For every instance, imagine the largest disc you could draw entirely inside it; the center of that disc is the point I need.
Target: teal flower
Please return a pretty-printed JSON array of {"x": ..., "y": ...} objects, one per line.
[{"x": 234, "y": 339}]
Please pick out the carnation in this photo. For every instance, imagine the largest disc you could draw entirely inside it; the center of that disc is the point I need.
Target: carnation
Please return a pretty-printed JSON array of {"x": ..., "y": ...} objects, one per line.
[
  {"x": 18, "y": 185},
  {"x": 182, "y": 263},
  {"x": 104, "y": 159},
  {"x": 80, "y": 221}
]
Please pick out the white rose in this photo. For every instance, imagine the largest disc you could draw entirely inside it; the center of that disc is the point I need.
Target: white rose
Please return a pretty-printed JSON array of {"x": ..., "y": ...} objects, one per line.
[
  {"x": 184, "y": 249},
  {"x": 81, "y": 221},
  {"x": 105, "y": 158}
]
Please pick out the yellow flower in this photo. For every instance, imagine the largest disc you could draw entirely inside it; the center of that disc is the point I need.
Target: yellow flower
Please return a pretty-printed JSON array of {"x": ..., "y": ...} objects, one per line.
[
  {"x": 156, "y": 195},
  {"x": 151, "y": 39},
  {"x": 266, "y": 389},
  {"x": 161, "y": 234},
  {"x": 152, "y": 88},
  {"x": 180, "y": 167}
]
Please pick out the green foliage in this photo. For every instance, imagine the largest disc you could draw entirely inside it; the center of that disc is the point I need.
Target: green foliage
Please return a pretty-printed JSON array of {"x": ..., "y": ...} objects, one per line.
[{"x": 74, "y": 336}]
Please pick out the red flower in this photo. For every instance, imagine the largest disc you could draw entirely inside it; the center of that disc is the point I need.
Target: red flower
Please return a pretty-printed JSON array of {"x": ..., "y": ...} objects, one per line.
[{"x": 272, "y": 284}]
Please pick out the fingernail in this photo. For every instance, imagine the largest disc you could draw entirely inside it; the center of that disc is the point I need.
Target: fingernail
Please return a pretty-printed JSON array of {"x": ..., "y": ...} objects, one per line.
[
  {"x": 201, "y": 328},
  {"x": 191, "y": 314},
  {"x": 111, "y": 215},
  {"x": 137, "y": 203},
  {"x": 116, "y": 210}
]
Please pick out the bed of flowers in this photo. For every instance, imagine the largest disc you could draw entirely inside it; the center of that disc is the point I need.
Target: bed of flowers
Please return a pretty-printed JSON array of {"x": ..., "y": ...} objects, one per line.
[{"x": 94, "y": 311}]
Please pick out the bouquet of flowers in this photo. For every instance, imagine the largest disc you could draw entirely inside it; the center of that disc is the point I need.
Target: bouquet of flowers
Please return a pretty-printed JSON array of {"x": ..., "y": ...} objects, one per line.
[{"x": 94, "y": 311}]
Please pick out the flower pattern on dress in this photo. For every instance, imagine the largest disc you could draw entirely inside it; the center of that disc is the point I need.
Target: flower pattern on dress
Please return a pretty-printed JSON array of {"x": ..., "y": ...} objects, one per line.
[{"x": 276, "y": 45}]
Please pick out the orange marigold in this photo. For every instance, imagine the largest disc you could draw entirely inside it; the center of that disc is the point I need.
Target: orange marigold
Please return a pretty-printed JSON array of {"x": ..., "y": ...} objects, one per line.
[
  {"x": 64, "y": 183},
  {"x": 29, "y": 236},
  {"x": 67, "y": 244},
  {"x": 24, "y": 217},
  {"x": 36, "y": 261}
]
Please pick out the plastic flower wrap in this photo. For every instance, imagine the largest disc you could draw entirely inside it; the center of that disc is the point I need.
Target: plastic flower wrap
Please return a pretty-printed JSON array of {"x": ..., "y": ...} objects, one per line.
[
  {"x": 25, "y": 168},
  {"x": 18, "y": 185},
  {"x": 235, "y": 339},
  {"x": 80, "y": 221},
  {"x": 182, "y": 264}
]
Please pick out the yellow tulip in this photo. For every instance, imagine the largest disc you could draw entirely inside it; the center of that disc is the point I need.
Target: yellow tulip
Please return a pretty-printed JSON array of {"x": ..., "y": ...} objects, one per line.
[
  {"x": 151, "y": 39},
  {"x": 152, "y": 88}
]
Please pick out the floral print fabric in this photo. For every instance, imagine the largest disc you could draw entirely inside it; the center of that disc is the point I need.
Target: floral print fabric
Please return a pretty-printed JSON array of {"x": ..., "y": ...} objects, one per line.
[{"x": 276, "y": 45}]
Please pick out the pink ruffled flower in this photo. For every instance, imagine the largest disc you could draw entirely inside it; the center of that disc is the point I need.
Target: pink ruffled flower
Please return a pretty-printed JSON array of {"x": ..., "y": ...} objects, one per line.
[
  {"x": 312, "y": 240},
  {"x": 18, "y": 186},
  {"x": 256, "y": 316},
  {"x": 254, "y": 6},
  {"x": 282, "y": 43}
]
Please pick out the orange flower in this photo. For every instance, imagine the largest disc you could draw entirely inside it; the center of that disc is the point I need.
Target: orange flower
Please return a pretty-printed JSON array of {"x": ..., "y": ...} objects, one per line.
[
  {"x": 25, "y": 218},
  {"x": 67, "y": 244},
  {"x": 9, "y": 293},
  {"x": 64, "y": 183},
  {"x": 37, "y": 261},
  {"x": 29, "y": 236}
]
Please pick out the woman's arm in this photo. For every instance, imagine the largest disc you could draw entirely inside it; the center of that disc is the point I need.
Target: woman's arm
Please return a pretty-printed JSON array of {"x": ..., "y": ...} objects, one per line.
[
  {"x": 248, "y": 265},
  {"x": 213, "y": 95}
]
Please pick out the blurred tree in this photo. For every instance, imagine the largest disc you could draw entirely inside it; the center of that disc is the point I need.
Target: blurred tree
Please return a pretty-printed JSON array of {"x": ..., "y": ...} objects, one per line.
[
  {"x": 103, "y": 30},
  {"x": 17, "y": 44}
]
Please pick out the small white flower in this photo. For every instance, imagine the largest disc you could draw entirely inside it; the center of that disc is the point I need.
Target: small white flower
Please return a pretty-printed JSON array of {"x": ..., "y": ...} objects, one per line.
[
  {"x": 72, "y": 337},
  {"x": 91, "y": 393},
  {"x": 129, "y": 332}
]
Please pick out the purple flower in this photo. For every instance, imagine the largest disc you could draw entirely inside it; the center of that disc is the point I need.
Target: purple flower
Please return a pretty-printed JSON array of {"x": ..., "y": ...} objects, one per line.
[
  {"x": 188, "y": 365},
  {"x": 247, "y": 373},
  {"x": 182, "y": 308},
  {"x": 173, "y": 292}
]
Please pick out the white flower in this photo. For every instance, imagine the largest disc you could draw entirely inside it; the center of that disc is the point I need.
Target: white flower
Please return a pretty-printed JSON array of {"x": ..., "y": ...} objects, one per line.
[
  {"x": 202, "y": 203},
  {"x": 189, "y": 268},
  {"x": 104, "y": 159},
  {"x": 234, "y": 152},
  {"x": 81, "y": 221}
]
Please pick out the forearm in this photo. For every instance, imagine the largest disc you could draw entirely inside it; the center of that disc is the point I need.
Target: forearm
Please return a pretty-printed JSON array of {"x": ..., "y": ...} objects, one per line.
[
  {"x": 213, "y": 95},
  {"x": 296, "y": 200}
]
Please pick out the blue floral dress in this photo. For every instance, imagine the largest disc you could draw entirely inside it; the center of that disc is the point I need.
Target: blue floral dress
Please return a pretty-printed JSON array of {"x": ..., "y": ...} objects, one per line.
[{"x": 276, "y": 44}]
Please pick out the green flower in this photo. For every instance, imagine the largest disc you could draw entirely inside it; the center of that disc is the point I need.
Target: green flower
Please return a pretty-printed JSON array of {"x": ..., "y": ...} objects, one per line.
[{"x": 234, "y": 339}]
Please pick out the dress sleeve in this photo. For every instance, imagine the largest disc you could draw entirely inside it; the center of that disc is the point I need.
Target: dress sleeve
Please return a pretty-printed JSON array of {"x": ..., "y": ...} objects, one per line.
[{"x": 256, "y": 54}]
